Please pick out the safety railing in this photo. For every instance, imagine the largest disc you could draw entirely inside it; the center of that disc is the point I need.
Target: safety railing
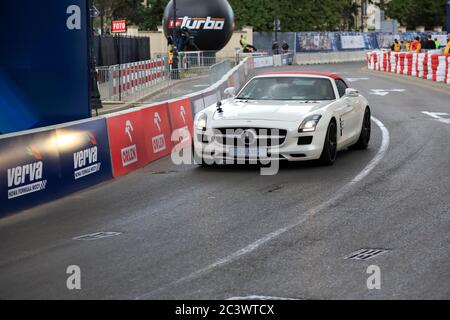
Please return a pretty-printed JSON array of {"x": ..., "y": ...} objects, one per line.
[
  {"x": 120, "y": 81},
  {"x": 195, "y": 59}
]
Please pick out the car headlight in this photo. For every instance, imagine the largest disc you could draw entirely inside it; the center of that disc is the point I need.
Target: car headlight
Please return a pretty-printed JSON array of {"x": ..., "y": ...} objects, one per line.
[
  {"x": 201, "y": 122},
  {"x": 310, "y": 123}
]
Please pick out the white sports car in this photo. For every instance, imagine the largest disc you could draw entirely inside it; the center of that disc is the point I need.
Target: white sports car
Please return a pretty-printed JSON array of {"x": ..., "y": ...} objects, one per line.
[{"x": 293, "y": 116}]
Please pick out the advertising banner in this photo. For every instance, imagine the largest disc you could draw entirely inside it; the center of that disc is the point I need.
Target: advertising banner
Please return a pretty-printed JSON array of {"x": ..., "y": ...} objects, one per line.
[
  {"x": 127, "y": 145},
  {"x": 211, "y": 98},
  {"x": 315, "y": 42},
  {"x": 197, "y": 103},
  {"x": 234, "y": 80},
  {"x": 352, "y": 42},
  {"x": 262, "y": 62},
  {"x": 157, "y": 131},
  {"x": 29, "y": 170},
  {"x": 181, "y": 114},
  {"x": 251, "y": 65},
  {"x": 181, "y": 120},
  {"x": 84, "y": 155},
  {"x": 44, "y": 70}
]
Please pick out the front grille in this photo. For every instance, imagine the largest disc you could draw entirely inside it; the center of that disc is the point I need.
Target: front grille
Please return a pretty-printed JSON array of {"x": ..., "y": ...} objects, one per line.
[{"x": 269, "y": 137}]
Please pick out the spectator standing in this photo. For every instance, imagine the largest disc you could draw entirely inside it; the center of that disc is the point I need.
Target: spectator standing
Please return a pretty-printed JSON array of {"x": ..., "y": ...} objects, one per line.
[
  {"x": 275, "y": 47},
  {"x": 430, "y": 44},
  {"x": 397, "y": 46},
  {"x": 408, "y": 45},
  {"x": 416, "y": 46},
  {"x": 285, "y": 47},
  {"x": 447, "y": 47},
  {"x": 438, "y": 43}
]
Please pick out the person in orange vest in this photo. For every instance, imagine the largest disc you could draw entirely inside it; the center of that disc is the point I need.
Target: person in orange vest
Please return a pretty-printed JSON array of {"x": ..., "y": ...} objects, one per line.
[
  {"x": 447, "y": 47},
  {"x": 408, "y": 45},
  {"x": 416, "y": 46},
  {"x": 397, "y": 46}
]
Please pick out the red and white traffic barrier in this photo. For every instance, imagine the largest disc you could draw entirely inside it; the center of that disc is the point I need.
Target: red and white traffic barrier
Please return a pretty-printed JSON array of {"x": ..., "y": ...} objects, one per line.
[
  {"x": 447, "y": 79},
  {"x": 133, "y": 77},
  {"x": 431, "y": 65}
]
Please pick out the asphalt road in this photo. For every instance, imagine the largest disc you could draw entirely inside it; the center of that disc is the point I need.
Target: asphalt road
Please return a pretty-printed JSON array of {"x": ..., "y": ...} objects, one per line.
[{"x": 193, "y": 233}]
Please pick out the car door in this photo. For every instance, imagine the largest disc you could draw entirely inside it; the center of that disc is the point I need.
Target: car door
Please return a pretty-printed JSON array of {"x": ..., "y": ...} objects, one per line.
[{"x": 348, "y": 123}]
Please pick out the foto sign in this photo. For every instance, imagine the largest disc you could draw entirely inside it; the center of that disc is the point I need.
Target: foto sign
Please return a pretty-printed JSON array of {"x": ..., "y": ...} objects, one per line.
[{"x": 119, "y": 26}]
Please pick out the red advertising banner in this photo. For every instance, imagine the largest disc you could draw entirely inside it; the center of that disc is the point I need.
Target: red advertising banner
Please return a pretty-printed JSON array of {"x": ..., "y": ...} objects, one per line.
[
  {"x": 181, "y": 114},
  {"x": 156, "y": 126},
  {"x": 119, "y": 26},
  {"x": 126, "y": 136},
  {"x": 181, "y": 119}
]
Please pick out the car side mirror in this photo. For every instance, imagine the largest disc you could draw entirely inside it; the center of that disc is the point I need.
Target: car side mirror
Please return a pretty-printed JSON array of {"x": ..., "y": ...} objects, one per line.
[
  {"x": 350, "y": 92},
  {"x": 230, "y": 92}
]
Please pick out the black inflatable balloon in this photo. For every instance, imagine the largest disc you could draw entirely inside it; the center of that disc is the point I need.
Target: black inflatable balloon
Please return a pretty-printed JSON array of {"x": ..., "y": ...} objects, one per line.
[{"x": 210, "y": 22}]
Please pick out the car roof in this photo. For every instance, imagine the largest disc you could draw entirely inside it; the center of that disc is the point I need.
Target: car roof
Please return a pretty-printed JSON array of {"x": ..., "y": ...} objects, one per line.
[{"x": 302, "y": 73}]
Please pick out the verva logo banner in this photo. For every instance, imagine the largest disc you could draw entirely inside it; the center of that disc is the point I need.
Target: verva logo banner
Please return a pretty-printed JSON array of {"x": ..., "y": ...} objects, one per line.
[
  {"x": 29, "y": 170},
  {"x": 85, "y": 162},
  {"x": 127, "y": 144},
  {"x": 157, "y": 131},
  {"x": 27, "y": 178},
  {"x": 181, "y": 115},
  {"x": 84, "y": 154},
  {"x": 119, "y": 26},
  {"x": 207, "y": 23}
]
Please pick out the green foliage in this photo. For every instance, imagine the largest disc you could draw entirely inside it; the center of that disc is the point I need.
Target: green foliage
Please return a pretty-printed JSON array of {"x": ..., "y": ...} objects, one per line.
[
  {"x": 324, "y": 15},
  {"x": 414, "y": 13},
  {"x": 151, "y": 17}
]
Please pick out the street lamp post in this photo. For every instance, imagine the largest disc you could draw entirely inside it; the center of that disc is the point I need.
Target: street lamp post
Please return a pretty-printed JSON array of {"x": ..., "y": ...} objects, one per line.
[
  {"x": 276, "y": 21},
  {"x": 95, "y": 100},
  {"x": 174, "y": 21}
]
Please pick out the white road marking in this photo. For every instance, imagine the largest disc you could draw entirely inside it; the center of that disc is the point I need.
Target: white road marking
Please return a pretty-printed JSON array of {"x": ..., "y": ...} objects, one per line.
[
  {"x": 356, "y": 79},
  {"x": 273, "y": 235},
  {"x": 438, "y": 116},
  {"x": 379, "y": 93},
  {"x": 97, "y": 236},
  {"x": 384, "y": 92},
  {"x": 201, "y": 85}
]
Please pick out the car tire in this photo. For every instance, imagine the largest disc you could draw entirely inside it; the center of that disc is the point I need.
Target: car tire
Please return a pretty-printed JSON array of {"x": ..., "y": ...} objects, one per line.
[
  {"x": 329, "y": 151},
  {"x": 366, "y": 129}
]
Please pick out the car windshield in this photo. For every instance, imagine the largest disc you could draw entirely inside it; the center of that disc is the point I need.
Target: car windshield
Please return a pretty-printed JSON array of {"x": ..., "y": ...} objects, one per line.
[{"x": 288, "y": 88}]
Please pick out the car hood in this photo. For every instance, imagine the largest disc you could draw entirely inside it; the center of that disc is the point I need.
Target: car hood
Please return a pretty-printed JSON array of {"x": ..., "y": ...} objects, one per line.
[{"x": 267, "y": 110}]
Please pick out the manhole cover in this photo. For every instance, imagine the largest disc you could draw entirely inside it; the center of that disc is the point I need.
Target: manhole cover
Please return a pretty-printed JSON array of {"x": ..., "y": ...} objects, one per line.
[
  {"x": 365, "y": 254},
  {"x": 96, "y": 236}
]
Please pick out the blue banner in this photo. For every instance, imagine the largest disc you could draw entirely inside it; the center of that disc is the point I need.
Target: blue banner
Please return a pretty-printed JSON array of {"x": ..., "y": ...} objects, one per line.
[
  {"x": 44, "y": 64},
  {"x": 42, "y": 166},
  {"x": 316, "y": 42},
  {"x": 84, "y": 155},
  {"x": 29, "y": 170},
  {"x": 352, "y": 41}
]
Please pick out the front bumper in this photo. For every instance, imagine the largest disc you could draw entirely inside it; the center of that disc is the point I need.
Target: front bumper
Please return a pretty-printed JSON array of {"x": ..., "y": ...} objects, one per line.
[{"x": 294, "y": 147}]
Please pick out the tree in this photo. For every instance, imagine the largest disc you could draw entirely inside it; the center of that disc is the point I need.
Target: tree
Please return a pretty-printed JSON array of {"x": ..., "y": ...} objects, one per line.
[
  {"x": 152, "y": 15},
  {"x": 324, "y": 15},
  {"x": 120, "y": 9},
  {"x": 414, "y": 13}
]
